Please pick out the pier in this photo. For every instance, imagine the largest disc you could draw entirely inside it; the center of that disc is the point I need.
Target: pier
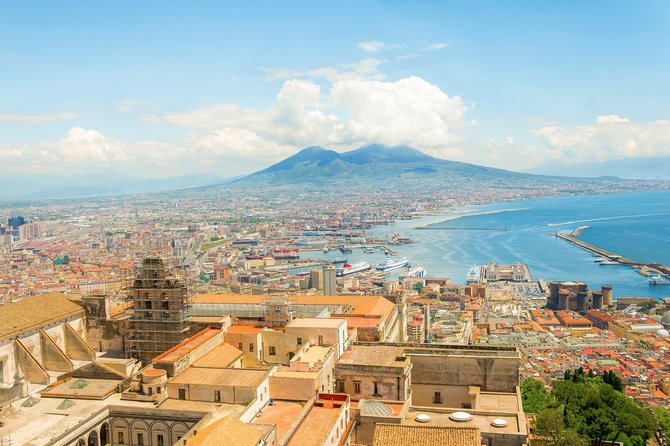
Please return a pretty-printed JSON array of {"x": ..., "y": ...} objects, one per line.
[
  {"x": 644, "y": 268},
  {"x": 432, "y": 228}
]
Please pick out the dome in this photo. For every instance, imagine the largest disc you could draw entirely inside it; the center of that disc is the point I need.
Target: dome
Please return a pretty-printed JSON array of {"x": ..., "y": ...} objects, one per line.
[
  {"x": 663, "y": 333},
  {"x": 499, "y": 422},
  {"x": 460, "y": 416},
  {"x": 372, "y": 407},
  {"x": 665, "y": 320},
  {"x": 422, "y": 418}
]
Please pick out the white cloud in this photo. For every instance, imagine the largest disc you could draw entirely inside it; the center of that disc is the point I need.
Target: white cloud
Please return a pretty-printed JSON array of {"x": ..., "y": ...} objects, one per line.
[
  {"x": 611, "y": 137},
  {"x": 18, "y": 118},
  {"x": 436, "y": 46},
  {"x": 373, "y": 46},
  {"x": 130, "y": 105}
]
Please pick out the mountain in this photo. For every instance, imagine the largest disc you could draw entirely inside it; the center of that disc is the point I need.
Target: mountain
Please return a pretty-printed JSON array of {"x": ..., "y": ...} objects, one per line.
[
  {"x": 98, "y": 183},
  {"x": 654, "y": 168},
  {"x": 371, "y": 164}
]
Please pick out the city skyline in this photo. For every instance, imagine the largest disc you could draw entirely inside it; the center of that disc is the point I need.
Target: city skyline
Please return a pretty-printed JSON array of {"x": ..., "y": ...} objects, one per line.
[{"x": 157, "y": 90}]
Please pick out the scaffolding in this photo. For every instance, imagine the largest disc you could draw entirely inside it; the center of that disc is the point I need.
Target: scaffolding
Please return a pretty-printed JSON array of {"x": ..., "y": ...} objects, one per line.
[{"x": 161, "y": 314}]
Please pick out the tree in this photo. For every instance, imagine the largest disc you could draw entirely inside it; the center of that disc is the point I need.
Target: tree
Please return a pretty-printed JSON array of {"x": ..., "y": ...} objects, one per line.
[
  {"x": 535, "y": 396},
  {"x": 549, "y": 425}
]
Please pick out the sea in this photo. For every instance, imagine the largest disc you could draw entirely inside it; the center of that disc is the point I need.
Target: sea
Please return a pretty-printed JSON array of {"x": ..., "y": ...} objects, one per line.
[{"x": 635, "y": 225}]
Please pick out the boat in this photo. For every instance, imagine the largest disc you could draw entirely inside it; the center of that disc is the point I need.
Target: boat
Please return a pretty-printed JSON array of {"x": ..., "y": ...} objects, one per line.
[
  {"x": 304, "y": 272},
  {"x": 347, "y": 269},
  {"x": 659, "y": 280},
  {"x": 286, "y": 253},
  {"x": 339, "y": 260},
  {"x": 599, "y": 259},
  {"x": 391, "y": 263},
  {"x": 416, "y": 271},
  {"x": 345, "y": 249},
  {"x": 608, "y": 262},
  {"x": 368, "y": 250},
  {"x": 473, "y": 274}
]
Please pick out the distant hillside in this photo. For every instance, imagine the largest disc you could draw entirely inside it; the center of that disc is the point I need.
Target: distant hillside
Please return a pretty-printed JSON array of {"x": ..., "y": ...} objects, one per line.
[
  {"x": 371, "y": 163},
  {"x": 656, "y": 168},
  {"x": 102, "y": 183}
]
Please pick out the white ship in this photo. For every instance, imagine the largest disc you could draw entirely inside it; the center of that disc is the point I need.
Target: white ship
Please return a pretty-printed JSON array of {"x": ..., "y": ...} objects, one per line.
[
  {"x": 473, "y": 274},
  {"x": 347, "y": 269},
  {"x": 608, "y": 262},
  {"x": 416, "y": 271},
  {"x": 392, "y": 263},
  {"x": 659, "y": 280}
]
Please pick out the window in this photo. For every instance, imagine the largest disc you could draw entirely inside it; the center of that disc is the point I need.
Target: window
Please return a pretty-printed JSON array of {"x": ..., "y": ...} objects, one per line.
[
  {"x": 357, "y": 387},
  {"x": 376, "y": 389},
  {"x": 140, "y": 439},
  {"x": 339, "y": 386},
  {"x": 2, "y": 371},
  {"x": 320, "y": 339},
  {"x": 217, "y": 396},
  {"x": 299, "y": 341},
  {"x": 151, "y": 391},
  {"x": 271, "y": 350},
  {"x": 159, "y": 440},
  {"x": 290, "y": 355},
  {"x": 240, "y": 346},
  {"x": 251, "y": 347},
  {"x": 182, "y": 394},
  {"x": 437, "y": 398},
  {"x": 149, "y": 315},
  {"x": 158, "y": 390},
  {"x": 119, "y": 438}
]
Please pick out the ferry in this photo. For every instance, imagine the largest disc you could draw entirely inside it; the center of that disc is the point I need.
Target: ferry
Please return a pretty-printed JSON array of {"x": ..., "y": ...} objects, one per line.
[
  {"x": 473, "y": 274},
  {"x": 347, "y": 269},
  {"x": 392, "y": 263},
  {"x": 659, "y": 280},
  {"x": 339, "y": 260}
]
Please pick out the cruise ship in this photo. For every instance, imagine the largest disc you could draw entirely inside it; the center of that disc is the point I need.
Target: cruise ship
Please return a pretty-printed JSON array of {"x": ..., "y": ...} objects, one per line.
[
  {"x": 473, "y": 274},
  {"x": 659, "y": 280},
  {"x": 392, "y": 263},
  {"x": 352, "y": 269}
]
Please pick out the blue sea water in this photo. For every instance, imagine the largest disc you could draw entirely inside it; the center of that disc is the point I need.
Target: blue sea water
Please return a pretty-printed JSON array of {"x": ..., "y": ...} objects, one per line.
[{"x": 635, "y": 225}]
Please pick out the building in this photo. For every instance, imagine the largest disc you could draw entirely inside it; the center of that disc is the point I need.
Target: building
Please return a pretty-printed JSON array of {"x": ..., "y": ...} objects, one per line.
[
  {"x": 161, "y": 311},
  {"x": 329, "y": 282},
  {"x": 516, "y": 272},
  {"x": 316, "y": 279},
  {"x": 576, "y": 296}
]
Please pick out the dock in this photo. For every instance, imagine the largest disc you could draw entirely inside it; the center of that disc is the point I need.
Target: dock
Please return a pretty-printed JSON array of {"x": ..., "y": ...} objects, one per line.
[{"x": 647, "y": 268}]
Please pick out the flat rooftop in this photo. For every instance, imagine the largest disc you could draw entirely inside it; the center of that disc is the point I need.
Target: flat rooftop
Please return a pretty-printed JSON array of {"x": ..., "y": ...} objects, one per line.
[
  {"x": 383, "y": 356},
  {"x": 82, "y": 388},
  {"x": 314, "y": 354},
  {"x": 282, "y": 415},
  {"x": 478, "y": 420},
  {"x": 49, "y": 417},
  {"x": 221, "y": 377}
]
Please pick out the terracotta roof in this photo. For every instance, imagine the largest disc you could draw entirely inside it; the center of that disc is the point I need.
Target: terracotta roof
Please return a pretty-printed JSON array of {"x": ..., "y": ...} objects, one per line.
[
  {"x": 244, "y": 329},
  {"x": 404, "y": 435},
  {"x": 187, "y": 345},
  {"x": 228, "y": 431},
  {"x": 221, "y": 356},
  {"x": 221, "y": 377},
  {"x": 360, "y": 304},
  {"x": 35, "y": 312}
]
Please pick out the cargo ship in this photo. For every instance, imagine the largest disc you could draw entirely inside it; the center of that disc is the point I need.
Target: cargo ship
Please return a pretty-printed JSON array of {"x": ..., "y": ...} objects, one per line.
[
  {"x": 347, "y": 269},
  {"x": 392, "y": 263},
  {"x": 286, "y": 254}
]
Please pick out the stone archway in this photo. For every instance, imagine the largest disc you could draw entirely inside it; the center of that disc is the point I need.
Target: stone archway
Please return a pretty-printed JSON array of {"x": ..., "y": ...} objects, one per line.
[
  {"x": 93, "y": 439},
  {"x": 104, "y": 434}
]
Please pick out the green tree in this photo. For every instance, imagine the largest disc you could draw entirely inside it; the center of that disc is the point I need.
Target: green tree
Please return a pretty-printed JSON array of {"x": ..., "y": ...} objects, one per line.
[
  {"x": 549, "y": 425},
  {"x": 535, "y": 396}
]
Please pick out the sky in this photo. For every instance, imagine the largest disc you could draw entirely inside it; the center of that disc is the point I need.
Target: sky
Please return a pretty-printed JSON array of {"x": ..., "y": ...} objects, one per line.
[{"x": 162, "y": 88}]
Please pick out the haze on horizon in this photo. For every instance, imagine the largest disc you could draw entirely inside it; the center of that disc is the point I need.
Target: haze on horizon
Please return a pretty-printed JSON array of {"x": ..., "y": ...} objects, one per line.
[{"x": 158, "y": 89}]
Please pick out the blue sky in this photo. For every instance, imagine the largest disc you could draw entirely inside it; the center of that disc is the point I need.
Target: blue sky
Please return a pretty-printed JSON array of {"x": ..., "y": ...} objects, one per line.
[{"x": 165, "y": 88}]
